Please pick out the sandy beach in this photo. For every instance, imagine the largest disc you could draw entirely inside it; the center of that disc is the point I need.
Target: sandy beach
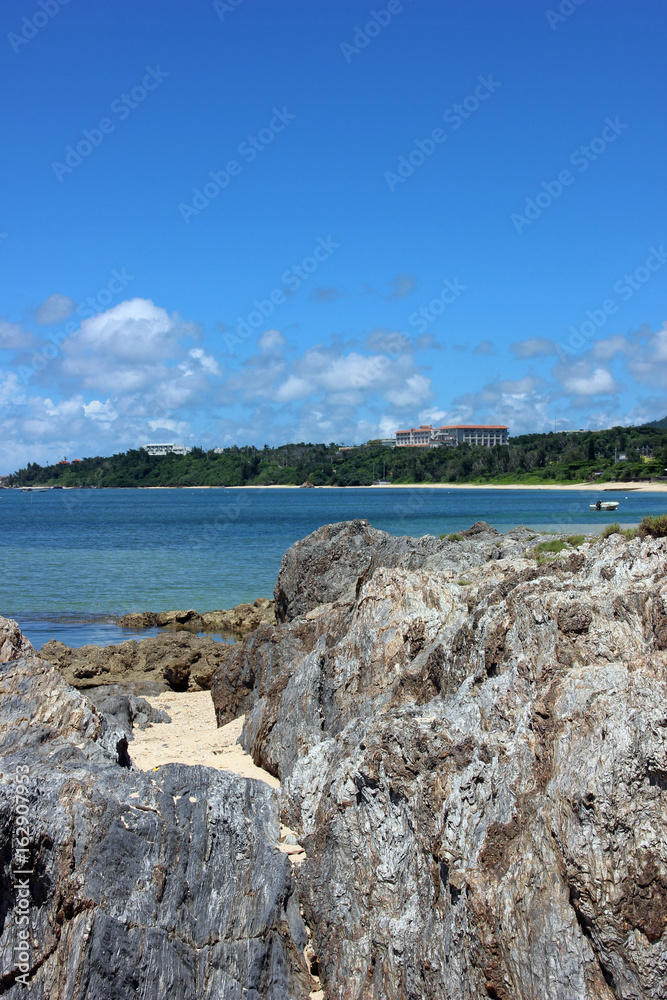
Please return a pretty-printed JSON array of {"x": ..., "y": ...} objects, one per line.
[
  {"x": 192, "y": 737},
  {"x": 637, "y": 486},
  {"x": 597, "y": 487}
]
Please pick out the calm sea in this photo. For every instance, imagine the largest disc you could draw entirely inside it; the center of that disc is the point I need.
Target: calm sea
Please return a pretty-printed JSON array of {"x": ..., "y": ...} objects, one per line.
[{"x": 72, "y": 559}]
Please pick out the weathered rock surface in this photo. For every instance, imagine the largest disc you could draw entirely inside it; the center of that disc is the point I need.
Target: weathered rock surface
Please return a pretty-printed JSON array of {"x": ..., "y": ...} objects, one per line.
[
  {"x": 160, "y": 884},
  {"x": 13, "y": 643},
  {"x": 178, "y": 660},
  {"x": 473, "y": 749},
  {"x": 333, "y": 562},
  {"x": 125, "y": 709},
  {"x": 238, "y": 621}
]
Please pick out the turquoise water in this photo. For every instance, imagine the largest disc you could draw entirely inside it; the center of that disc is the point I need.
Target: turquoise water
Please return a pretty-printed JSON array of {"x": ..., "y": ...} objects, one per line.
[{"x": 91, "y": 554}]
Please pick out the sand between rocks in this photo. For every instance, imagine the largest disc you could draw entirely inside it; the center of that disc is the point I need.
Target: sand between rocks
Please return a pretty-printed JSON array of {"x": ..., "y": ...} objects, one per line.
[{"x": 192, "y": 737}]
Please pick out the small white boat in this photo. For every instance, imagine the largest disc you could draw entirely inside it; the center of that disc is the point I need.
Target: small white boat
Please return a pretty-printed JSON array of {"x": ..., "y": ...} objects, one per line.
[
  {"x": 35, "y": 489},
  {"x": 604, "y": 505}
]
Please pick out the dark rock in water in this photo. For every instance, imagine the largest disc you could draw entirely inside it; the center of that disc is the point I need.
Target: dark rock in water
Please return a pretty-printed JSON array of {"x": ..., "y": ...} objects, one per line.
[
  {"x": 138, "y": 619},
  {"x": 241, "y": 620},
  {"x": 176, "y": 619},
  {"x": 479, "y": 528},
  {"x": 238, "y": 621},
  {"x": 473, "y": 750},
  {"x": 159, "y": 884},
  {"x": 176, "y": 659}
]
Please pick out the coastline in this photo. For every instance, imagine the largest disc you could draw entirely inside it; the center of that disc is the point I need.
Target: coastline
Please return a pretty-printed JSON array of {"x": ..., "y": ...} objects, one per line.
[{"x": 636, "y": 486}]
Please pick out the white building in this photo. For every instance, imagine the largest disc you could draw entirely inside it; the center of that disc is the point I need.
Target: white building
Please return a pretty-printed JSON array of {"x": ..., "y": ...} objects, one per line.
[
  {"x": 426, "y": 436},
  {"x": 165, "y": 449}
]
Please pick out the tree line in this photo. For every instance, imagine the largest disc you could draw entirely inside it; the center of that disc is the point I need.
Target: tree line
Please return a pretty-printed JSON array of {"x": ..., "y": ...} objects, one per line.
[{"x": 620, "y": 453}]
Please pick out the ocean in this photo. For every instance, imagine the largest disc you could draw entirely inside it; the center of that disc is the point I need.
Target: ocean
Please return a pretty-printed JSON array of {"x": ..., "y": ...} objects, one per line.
[{"x": 71, "y": 560}]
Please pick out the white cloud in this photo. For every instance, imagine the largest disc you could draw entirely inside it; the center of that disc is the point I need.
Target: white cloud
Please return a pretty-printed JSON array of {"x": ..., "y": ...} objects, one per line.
[
  {"x": 413, "y": 393},
  {"x": 648, "y": 357},
  {"x": 484, "y": 347},
  {"x": 207, "y": 361},
  {"x": 581, "y": 381},
  {"x": 533, "y": 347},
  {"x": 271, "y": 340},
  {"x": 603, "y": 350},
  {"x": 403, "y": 285},
  {"x": 97, "y": 410},
  {"x": 390, "y": 342},
  {"x": 135, "y": 331},
  {"x": 55, "y": 309},
  {"x": 293, "y": 388},
  {"x": 12, "y": 392},
  {"x": 13, "y": 336}
]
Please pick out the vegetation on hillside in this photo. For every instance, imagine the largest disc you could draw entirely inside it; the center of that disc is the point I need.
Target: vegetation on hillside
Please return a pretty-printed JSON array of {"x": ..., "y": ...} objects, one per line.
[{"x": 529, "y": 459}]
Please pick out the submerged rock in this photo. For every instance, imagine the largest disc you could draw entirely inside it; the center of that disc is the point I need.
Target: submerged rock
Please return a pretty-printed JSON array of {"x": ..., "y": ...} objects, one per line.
[
  {"x": 159, "y": 884},
  {"x": 473, "y": 750}
]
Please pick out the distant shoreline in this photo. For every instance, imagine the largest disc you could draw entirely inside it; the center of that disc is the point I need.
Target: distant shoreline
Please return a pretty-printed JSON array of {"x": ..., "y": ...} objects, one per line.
[{"x": 635, "y": 487}]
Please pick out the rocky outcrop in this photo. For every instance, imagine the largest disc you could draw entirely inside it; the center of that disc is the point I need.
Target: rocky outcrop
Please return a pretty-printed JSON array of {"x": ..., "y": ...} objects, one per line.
[
  {"x": 236, "y": 622},
  {"x": 177, "y": 660},
  {"x": 473, "y": 750},
  {"x": 333, "y": 562},
  {"x": 157, "y": 884},
  {"x": 13, "y": 644}
]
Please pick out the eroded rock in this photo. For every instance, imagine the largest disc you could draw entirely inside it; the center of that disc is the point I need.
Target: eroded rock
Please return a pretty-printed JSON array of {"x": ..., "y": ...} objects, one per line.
[
  {"x": 238, "y": 621},
  {"x": 13, "y": 644},
  {"x": 473, "y": 752},
  {"x": 160, "y": 884},
  {"x": 179, "y": 660}
]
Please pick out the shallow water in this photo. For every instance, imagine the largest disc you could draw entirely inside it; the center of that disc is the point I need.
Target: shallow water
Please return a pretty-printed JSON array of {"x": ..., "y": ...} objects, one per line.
[{"x": 99, "y": 553}]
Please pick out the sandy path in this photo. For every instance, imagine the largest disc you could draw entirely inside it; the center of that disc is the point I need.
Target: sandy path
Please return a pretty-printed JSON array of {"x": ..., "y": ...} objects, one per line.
[{"x": 192, "y": 737}]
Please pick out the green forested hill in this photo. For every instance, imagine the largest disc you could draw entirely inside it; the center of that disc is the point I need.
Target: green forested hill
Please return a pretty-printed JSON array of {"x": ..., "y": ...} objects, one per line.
[{"x": 528, "y": 459}]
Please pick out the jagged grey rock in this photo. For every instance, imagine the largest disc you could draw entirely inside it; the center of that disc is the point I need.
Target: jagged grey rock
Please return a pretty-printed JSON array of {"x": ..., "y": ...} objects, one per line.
[
  {"x": 333, "y": 562},
  {"x": 159, "y": 884},
  {"x": 13, "y": 644},
  {"x": 126, "y": 709},
  {"x": 473, "y": 750}
]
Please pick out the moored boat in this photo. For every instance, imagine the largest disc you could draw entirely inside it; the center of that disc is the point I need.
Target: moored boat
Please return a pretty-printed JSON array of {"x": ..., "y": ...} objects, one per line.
[{"x": 604, "y": 505}]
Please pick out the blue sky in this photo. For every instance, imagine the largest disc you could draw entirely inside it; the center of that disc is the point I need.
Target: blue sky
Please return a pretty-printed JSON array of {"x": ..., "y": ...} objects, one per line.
[{"x": 251, "y": 222}]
